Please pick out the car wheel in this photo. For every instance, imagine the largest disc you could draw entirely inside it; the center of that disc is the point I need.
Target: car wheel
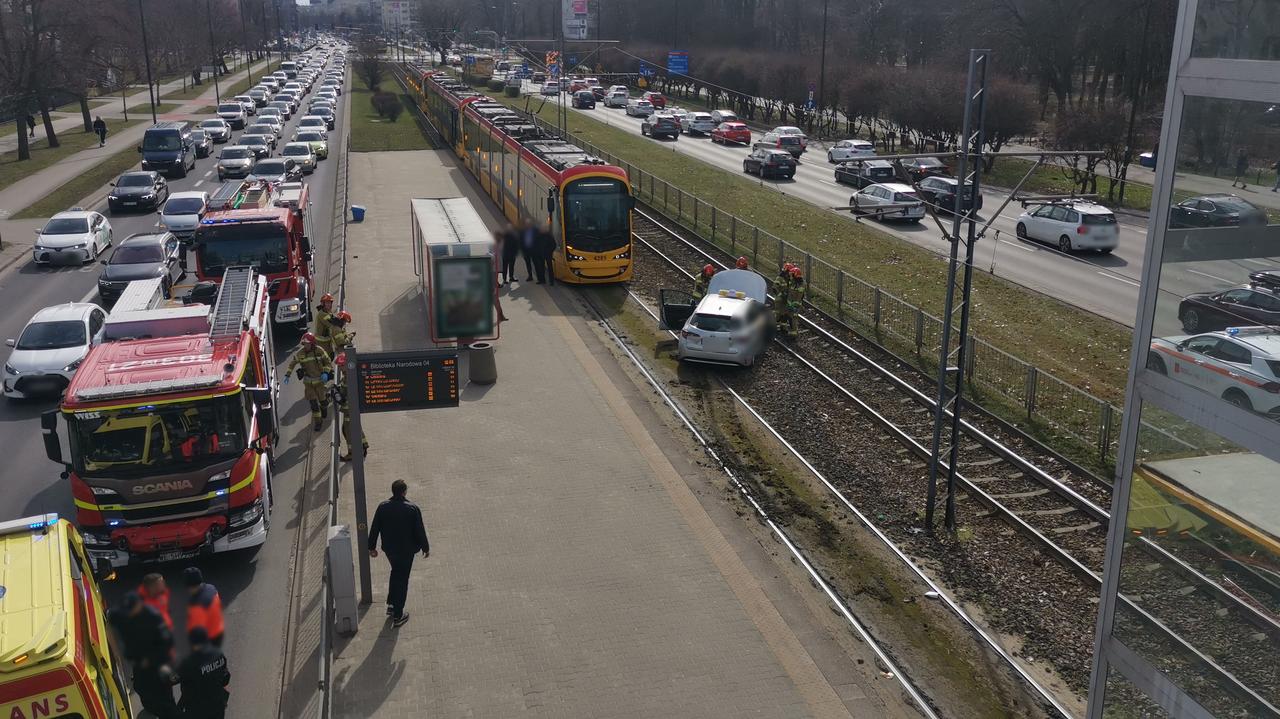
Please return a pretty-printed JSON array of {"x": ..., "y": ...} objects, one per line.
[
  {"x": 1021, "y": 231},
  {"x": 831, "y": 157},
  {"x": 1191, "y": 321},
  {"x": 1155, "y": 363},
  {"x": 1064, "y": 243},
  {"x": 1238, "y": 398}
]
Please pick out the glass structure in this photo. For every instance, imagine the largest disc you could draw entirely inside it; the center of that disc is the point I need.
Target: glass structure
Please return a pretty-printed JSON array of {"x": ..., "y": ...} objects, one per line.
[{"x": 1189, "y": 618}]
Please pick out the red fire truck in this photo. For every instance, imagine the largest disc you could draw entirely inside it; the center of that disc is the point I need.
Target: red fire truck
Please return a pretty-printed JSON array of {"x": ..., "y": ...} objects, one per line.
[
  {"x": 167, "y": 435},
  {"x": 263, "y": 225}
]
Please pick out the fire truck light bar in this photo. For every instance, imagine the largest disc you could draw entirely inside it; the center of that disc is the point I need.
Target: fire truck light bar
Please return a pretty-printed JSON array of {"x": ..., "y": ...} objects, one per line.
[
  {"x": 159, "y": 386},
  {"x": 233, "y": 220}
]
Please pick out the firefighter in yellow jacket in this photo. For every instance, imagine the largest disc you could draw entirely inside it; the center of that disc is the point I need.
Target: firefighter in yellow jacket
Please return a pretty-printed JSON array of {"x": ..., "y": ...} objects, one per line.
[
  {"x": 339, "y": 392},
  {"x": 314, "y": 367},
  {"x": 324, "y": 326}
]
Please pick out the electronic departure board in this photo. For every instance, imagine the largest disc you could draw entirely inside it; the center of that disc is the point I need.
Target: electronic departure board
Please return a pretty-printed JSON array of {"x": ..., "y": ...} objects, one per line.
[{"x": 412, "y": 379}]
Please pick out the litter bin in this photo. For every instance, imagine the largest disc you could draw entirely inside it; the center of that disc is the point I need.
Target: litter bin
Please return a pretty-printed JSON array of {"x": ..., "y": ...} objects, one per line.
[
  {"x": 357, "y": 213},
  {"x": 482, "y": 368}
]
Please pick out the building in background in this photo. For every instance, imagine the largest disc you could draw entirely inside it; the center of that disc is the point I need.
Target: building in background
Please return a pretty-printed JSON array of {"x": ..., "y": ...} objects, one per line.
[
  {"x": 1189, "y": 620},
  {"x": 397, "y": 15}
]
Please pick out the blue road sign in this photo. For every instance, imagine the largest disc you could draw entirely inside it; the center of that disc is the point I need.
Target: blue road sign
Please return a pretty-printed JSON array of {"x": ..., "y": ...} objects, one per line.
[
  {"x": 647, "y": 70},
  {"x": 573, "y": 60},
  {"x": 678, "y": 62}
]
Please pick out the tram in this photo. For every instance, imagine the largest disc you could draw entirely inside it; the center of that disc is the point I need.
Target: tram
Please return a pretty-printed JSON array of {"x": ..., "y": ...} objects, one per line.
[{"x": 537, "y": 179}]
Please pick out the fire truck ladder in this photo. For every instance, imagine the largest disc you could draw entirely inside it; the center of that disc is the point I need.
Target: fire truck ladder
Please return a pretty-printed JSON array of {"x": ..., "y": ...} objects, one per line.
[
  {"x": 235, "y": 303},
  {"x": 242, "y": 194}
]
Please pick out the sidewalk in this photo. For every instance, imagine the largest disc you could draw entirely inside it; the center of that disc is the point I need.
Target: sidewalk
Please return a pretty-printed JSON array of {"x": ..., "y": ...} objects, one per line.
[
  {"x": 19, "y": 195},
  {"x": 574, "y": 572}
]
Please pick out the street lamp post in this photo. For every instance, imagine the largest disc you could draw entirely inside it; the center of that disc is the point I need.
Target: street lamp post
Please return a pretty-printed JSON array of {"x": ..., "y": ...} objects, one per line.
[
  {"x": 213, "y": 52},
  {"x": 146, "y": 57},
  {"x": 822, "y": 66}
]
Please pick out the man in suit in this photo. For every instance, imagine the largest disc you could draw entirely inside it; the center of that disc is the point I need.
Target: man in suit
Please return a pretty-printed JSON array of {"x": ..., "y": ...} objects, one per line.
[{"x": 399, "y": 523}]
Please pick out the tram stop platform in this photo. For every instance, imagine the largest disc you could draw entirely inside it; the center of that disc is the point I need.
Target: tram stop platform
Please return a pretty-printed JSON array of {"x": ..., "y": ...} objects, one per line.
[{"x": 577, "y": 568}]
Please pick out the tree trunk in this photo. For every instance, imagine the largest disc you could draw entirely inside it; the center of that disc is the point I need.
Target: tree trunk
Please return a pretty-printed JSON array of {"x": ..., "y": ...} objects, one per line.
[
  {"x": 24, "y": 148},
  {"x": 48, "y": 123},
  {"x": 84, "y": 114}
]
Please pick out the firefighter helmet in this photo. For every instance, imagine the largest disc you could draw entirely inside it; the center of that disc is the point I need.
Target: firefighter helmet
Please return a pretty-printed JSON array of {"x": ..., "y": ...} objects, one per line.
[
  {"x": 708, "y": 270},
  {"x": 796, "y": 273},
  {"x": 308, "y": 338},
  {"x": 326, "y": 298},
  {"x": 341, "y": 359},
  {"x": 344, "y": 315},
  {"x": 742, "y": 263}
]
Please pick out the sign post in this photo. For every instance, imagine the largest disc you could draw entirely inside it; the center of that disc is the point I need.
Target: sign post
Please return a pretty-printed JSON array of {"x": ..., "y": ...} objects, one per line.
[{"x": 357, "y": 479}]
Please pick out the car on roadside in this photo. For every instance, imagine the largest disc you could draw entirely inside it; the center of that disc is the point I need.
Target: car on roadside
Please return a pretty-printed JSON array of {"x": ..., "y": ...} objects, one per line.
[
  {"x": 137, "y": 190},
  {"x": 790, "y": 143},
  {"x": 732, "y": 324},
  {"x": 234, "y": 114},
  {"x": 1255, "y": 304},
  {"x": 1239, "y": 364},
  {"x": 262, "y": 145},
  {"x": 919, "y": 168},
  {"x": 325, "y": 112},
  {"x": 1070, "y": 225},
  {"x": 657, "y": 99},
  {"x": 1217, "y": 210},
  {"x": 182, "y": 213},
  {"x": 300, "y": 152},
  {"x": 71, "y": 237},
  {"x": 217, "y": 129},
  {"x": 850, "y": 149},
  {"x": 235, "y": 161},
  {"x": 769, "y": 163},
  {"x": 49, "y": 349},
  {"x": 584, "y": 100},
  {"x": 638, "y": 107},
  {"x": 888, "y": 202},
  {"x": 861, "y": 173},
  {"x": 317, "y": 140},
  {"x": 141, "y": 257},
  {"x": 699, "y": 123},
  {"x": 550, "y": 88},
  {"x": 250, "y": 106},
  {"x": 202, "y": 142},
  {"x": 276, "y": 169},
  {"x": 727, "y": 132},
  {"x": 939, "y": 191},
  {"x": 617, "y": 99},
  {"x": 719, "y": 116},
  {"x": 266, "y": 129},
  {"x": 660, "y": 124}
]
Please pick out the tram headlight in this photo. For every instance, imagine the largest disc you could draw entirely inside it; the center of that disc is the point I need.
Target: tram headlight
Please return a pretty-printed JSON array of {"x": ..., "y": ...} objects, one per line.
[
  {"x": 623, "y": 255},
  {"x": 574, "y": 258}
]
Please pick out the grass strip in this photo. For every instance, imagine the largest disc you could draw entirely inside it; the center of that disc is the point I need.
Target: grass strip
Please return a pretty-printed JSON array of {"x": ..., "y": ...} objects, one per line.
[
  {"x": 42, "y": 156},
  {"x": 76, "y": 189},
  {"x": 144, "y": 108},
  {"x": 371, "y": 133}
]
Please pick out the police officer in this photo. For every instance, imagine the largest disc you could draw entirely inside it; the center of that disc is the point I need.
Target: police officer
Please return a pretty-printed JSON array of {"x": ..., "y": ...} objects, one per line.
[
  {"x": 702, "y": 280},
  {"x": 339, "y": 335},
  {"x": 204, "y": 677},
  {"x": 312, "y": 365},
  {"x": 323, "y": 327},
  {"x": 339, "y": 392},
  {"x": 148, "y": 645}
]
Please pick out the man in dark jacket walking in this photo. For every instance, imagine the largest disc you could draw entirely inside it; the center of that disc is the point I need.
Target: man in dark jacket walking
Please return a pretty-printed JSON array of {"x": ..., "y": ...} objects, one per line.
[
  {"x": 204, "y": 677},
  {"x": 544, "y": 254},
  {"x": 100, "y": 128},
  {"x": 1242, "y": 170},
  {"x": 31, "y": 124},
  {"x": 399, "y": 522},
  {"x": 148, "y": 645}
]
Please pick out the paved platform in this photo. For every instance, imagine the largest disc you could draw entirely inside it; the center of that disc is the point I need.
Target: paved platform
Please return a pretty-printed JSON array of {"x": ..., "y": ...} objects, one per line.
[{"x": 573, "y": 572}]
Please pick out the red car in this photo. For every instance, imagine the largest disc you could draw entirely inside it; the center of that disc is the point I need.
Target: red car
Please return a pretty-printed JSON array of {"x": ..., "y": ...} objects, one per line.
[
  {"x": 727, "y": 132},
  {"x": 577, "y": 85},
  {"x": 656, "y": 99}
]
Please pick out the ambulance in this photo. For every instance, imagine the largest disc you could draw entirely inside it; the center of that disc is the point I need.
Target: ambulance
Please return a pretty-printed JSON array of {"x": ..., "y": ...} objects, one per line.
[{"x": 56, "y": 658}]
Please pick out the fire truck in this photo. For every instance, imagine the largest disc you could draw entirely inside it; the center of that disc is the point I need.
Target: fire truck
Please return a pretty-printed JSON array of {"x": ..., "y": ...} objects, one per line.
[
  {"x": 167, "y": 430},
  {"x": 263, "y": 225}
]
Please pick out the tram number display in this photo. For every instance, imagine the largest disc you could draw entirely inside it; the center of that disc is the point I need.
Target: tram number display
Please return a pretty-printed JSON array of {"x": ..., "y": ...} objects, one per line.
[{"x": 411, "y": 379}]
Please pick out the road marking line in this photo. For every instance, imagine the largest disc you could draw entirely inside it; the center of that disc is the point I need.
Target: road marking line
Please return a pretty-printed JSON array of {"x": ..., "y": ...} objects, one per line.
[
  {"x": 1020, "y": 246},
  {"x": 92, "y": 292},
  {"x": 1212, "y": 277},
  {"x": 1260, "y": 262},
  {"x": 198, "y": 183},
  {"x": 1125, "y": 280},
  {"x": 210, "y": 172}
]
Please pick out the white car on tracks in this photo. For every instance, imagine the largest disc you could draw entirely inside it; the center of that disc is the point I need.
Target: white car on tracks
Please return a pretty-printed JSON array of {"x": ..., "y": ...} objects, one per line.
[{"x": 731, "y": 325}]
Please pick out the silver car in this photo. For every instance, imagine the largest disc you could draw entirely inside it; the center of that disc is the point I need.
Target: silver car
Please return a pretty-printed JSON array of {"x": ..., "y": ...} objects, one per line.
[
  {"x": 235, "y": 161},
  {"x": 234, "y": 113},
  {"x": 182, "y": 212},
  {"x": 300, "y": 152},
  {"x": 217, "y": 129},
  {"x": 888, "y": 201},
  {"x": 732, "y": 324},
  {"x": 50, "y": 348}
]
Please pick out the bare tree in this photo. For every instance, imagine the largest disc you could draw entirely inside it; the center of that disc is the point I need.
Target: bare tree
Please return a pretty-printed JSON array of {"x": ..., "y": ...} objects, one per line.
[{"x": 369, "y": 65}]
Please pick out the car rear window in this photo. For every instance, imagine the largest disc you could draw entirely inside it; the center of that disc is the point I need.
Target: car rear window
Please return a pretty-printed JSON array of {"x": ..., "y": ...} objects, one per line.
[
  {"x": 713, "y": 323},
  {"x": 1099, "y": 219},
  {"x": 906, "y": 197},
  {"x": 230, "y": 107},
  {"x": 235, "y": 154},
  {"x": 1274, "y": 366},
  {"x": 788, "y": 140}
]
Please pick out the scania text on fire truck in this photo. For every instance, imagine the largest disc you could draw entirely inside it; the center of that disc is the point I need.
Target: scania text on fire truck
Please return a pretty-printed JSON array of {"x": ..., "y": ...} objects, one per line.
[
  {"x": 266, "y": 226},
  {"x": 167, "y": 433}
]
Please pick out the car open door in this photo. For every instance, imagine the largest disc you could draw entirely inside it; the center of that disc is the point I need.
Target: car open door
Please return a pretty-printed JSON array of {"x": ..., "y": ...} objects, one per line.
[{"x": 674, "y": 309}]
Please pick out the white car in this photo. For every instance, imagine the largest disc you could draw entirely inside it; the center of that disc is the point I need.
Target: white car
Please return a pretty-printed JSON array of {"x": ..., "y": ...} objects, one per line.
[
  {"x": 550, "y": 87},
  {"x": 250, "y": 105},
  {"x": 76, "y": 236},
  {"x": 182, "y": 212},
  {"x": 846, "y": 150},
  {"x": 1240, "y": 364},
  {"x": 699, "y": 123},
  {"x": 301, "y": 153},
  {"x": 791, "y": 131},
  {"x": 719, "y": 116},
  {"x": 732, "y": 324},
  {"x": 1071, "y": 225},
  {"x": 681, "y": 115},
  {"x": 618, "y": 98},
  {"x": 217, "y": 129},
  {"x": 888, "y": 201},
  {"x": 50, "y": 348},
  {"x": 639, "y": 108},
  {"x": 234, "y": 114},
  {"x": 314, "y": 123}
]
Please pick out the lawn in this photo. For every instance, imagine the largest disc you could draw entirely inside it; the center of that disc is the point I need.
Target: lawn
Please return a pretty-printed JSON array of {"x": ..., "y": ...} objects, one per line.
[
  {"x": 83, "y": 185},
  {"x": 1081, "y": 348},
  {"x": 42, "y": 156},
  {"x": 370, "y": 133},
  {"x": 144, "y": 108}
]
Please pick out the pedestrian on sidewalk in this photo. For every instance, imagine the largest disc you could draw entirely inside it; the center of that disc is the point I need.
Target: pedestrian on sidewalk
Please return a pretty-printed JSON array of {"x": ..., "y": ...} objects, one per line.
[
  {"x": 544, "y": 254},
  {"x": 204, "y": 605},
  {"x": 1276, "y": 168},
  {"x": 148, "y": 645},
  {"x": 155, "y": 594},
  {"x": 399, "y": 522},
  {"x": 509, "y": 248},
  {"x": 31, "y": 123},
  {"x": 1242, "y": 169},
  {"x": 100, "y": 128},
  {"x": 204, "y": 677},
  {"x": 528, "y": 236}
]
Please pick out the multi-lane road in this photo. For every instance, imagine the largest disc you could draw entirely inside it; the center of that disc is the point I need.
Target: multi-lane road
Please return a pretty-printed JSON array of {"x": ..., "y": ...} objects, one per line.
[
  {"x": 1103, "y": 284},
  {"x": 253, "y": 584}
]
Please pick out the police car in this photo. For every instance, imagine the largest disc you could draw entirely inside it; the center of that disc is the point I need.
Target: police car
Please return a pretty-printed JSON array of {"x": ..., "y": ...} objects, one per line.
[
  {"x": 1240, "y": 364},
  {"x": 732, "y": 324}
]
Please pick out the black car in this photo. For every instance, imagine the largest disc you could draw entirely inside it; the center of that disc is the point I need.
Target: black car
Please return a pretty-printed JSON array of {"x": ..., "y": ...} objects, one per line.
[
  {"x": 1208, "y": 311},
  {"x": 276, "y": 169},
  {"x": 862, "y": 173},
  {"x": 141, "y": 257},
  {"x": 584, "y": 100},
  {"x": 140, "y": 190},
  {"x": 919, "y": 168},
  {"x": 661, "y": 125},
  {"x": 1220, "y": 210},
  {"x": 765, "y": 161},
  {"x": 203, "y": 143},
  {"x": 326, "y": 113},
  {"x": 940, "y": 192}
]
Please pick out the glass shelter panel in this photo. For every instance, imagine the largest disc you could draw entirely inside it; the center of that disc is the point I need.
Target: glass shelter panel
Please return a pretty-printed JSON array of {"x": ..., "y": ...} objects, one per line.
[{"x": 1237, "y": 29}]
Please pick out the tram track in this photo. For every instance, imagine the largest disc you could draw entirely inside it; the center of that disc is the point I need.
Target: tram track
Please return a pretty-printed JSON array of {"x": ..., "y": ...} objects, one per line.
[{"x": 1018, "y": 484}]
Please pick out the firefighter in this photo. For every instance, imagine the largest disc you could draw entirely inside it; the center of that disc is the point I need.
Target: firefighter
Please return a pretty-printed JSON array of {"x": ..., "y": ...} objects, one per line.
[
  {"x": 339, "y": 392},
  {"x": 323, "y": 327},
  {"x": 782, "y": 306},
  {"x": 312, "y": 365},
  {"x": 339, "y": 336},
  {"x": 783, "y": 281},
  {"x": 204, "y": 605},
  {"x": 155, "y": 594},
  {"x": 702, "y": 280},
  {"x": 742, "y": 263},
  {"x": 795, "y": 297},
  {"x": 204, "y": 678}
]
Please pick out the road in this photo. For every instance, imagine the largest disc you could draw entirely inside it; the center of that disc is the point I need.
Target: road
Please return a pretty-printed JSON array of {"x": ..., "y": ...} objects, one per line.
[
  {"x": 254, "y": 583},
  {"x": 1106, "y": 285}
]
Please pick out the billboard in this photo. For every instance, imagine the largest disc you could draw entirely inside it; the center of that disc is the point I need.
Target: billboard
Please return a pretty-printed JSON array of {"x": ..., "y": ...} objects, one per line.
[
  {"x": 678, "y": 62},
  {"x": 577, "y": 18}
]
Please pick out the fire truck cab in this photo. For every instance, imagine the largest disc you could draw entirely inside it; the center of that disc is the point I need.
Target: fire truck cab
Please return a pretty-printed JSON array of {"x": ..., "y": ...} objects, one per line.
[
  {"x": 263, "y": 225},
  {"x": 167, "y": 430}
]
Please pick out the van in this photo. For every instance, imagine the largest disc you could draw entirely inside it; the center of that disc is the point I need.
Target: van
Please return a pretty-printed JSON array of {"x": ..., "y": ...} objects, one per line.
[
  {"x": 290, "y": 69},
  {"x": 167, "y": 148}
]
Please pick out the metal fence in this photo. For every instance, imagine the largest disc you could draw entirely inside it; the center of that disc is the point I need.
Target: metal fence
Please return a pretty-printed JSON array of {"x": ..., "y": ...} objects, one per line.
[{"x": 1019, "y": 390}]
